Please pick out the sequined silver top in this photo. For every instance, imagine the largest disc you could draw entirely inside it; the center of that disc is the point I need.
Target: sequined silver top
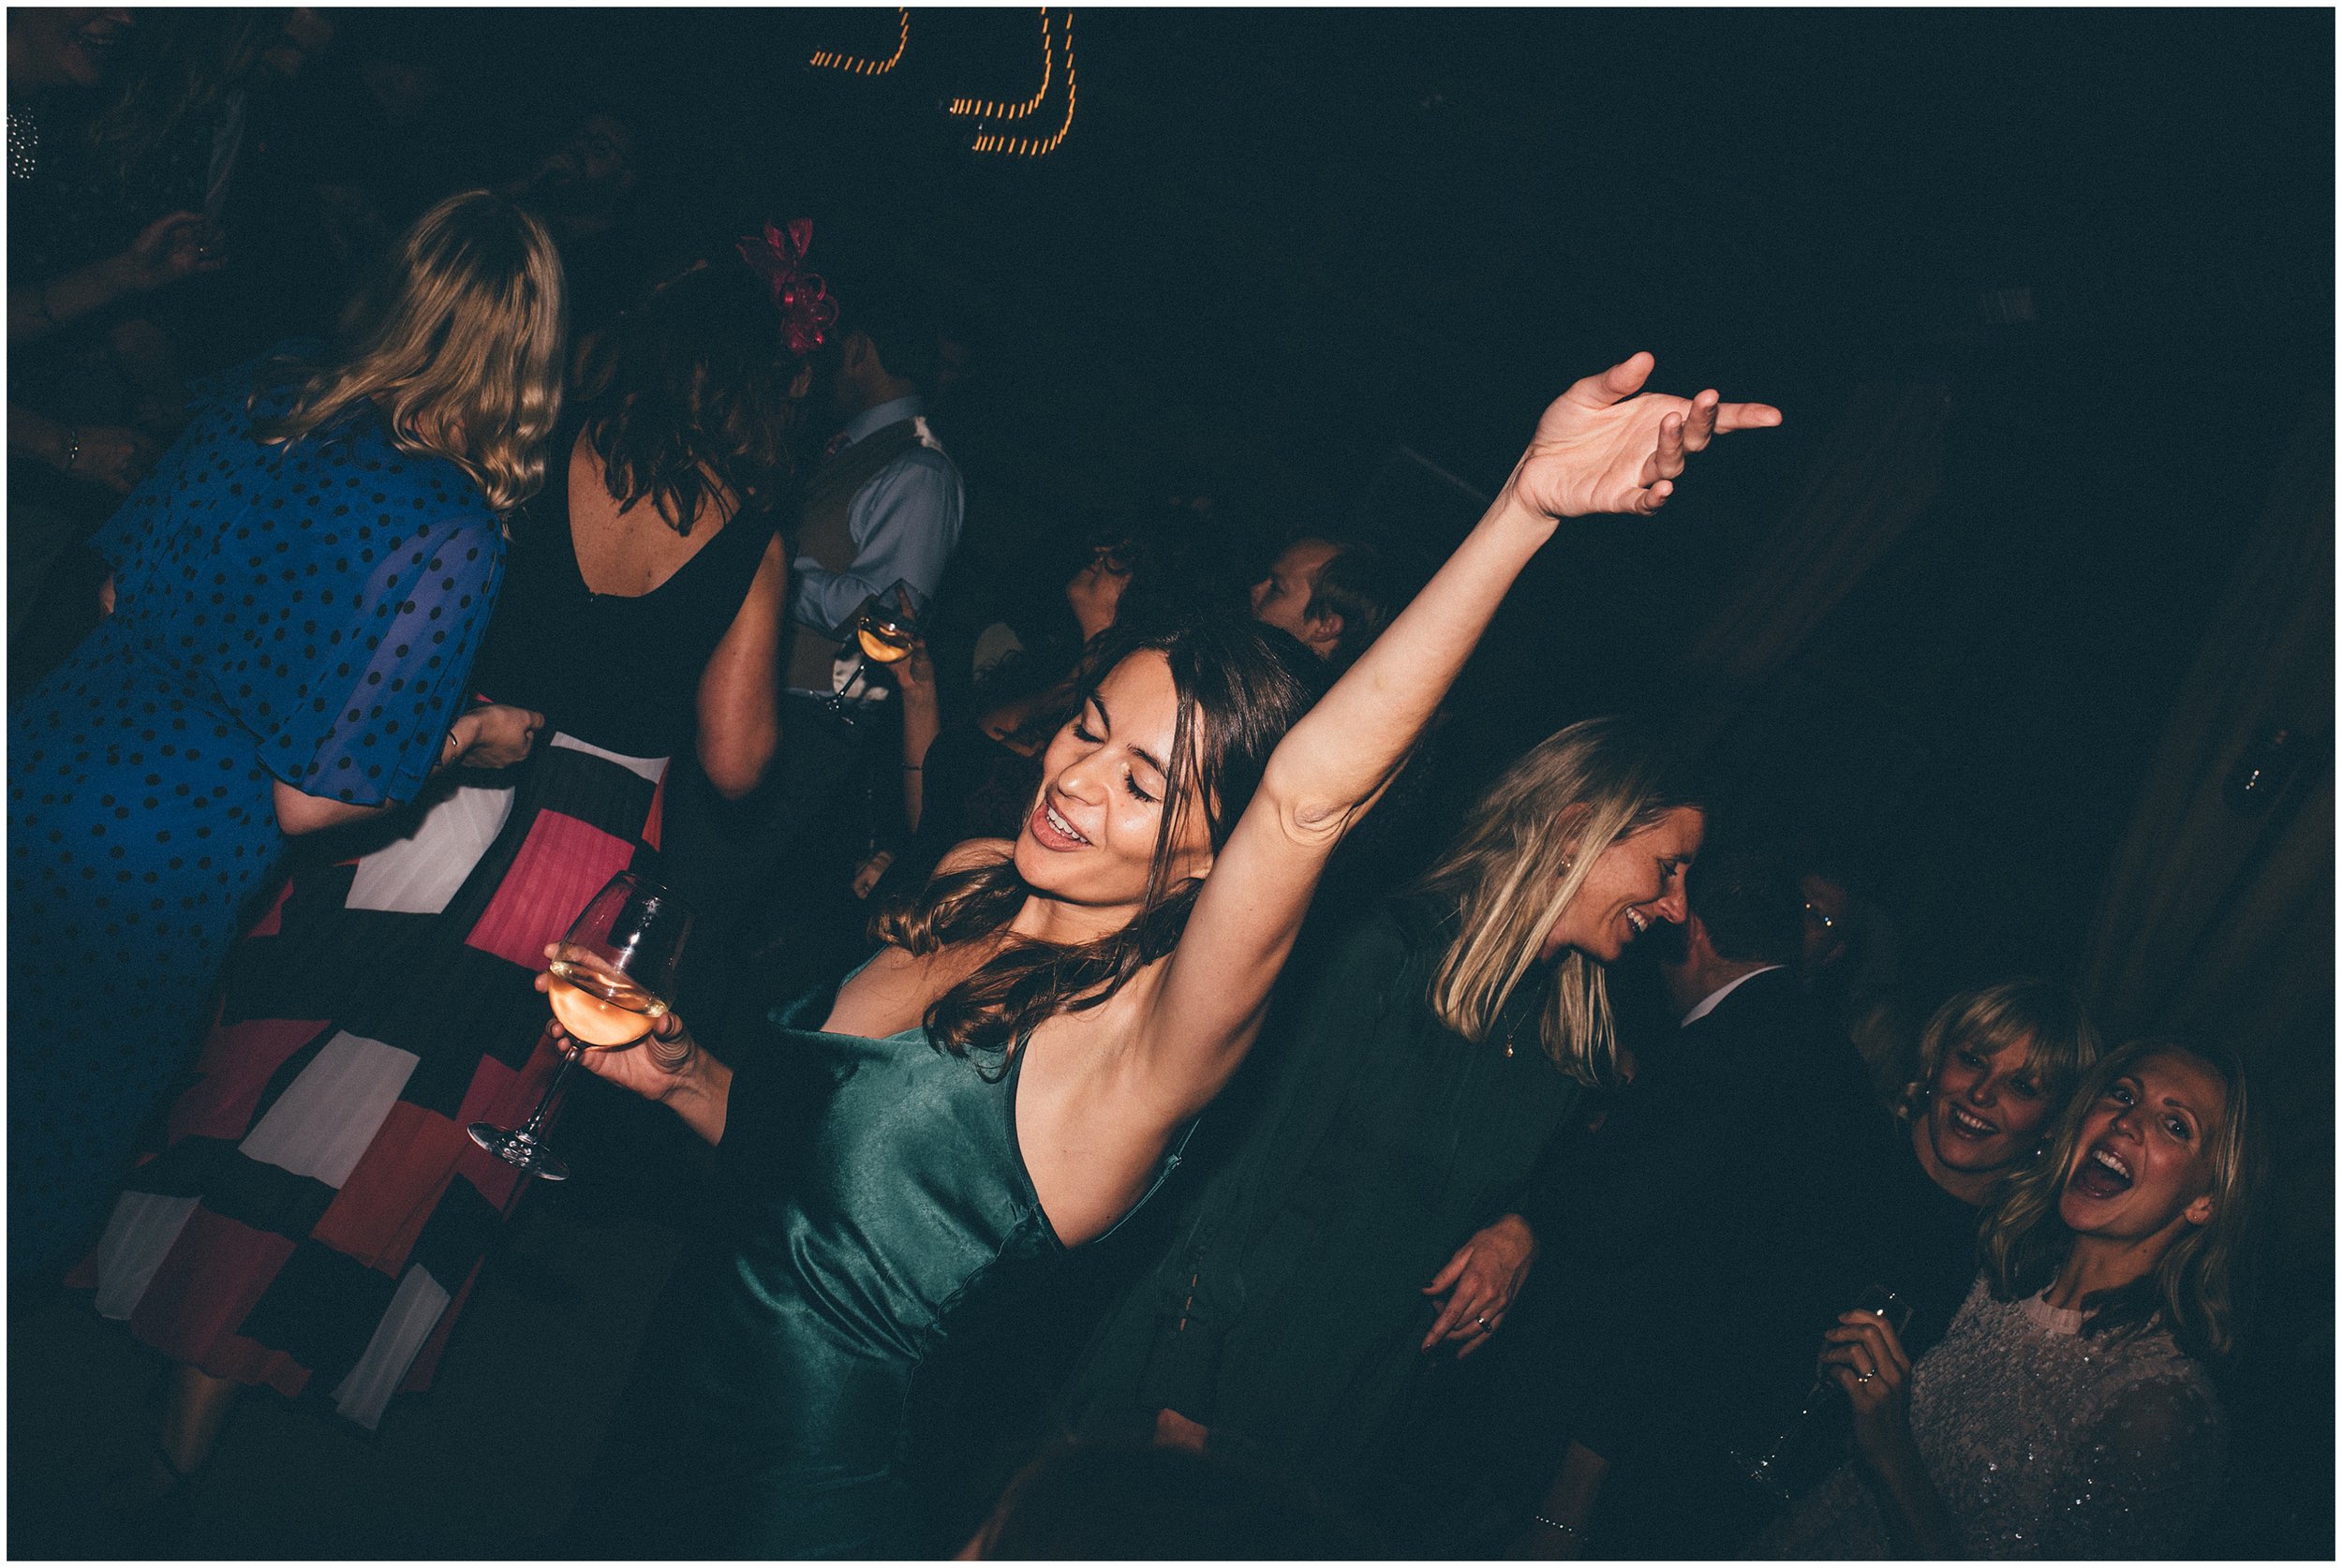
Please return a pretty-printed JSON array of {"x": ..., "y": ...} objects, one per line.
[{"x": 2042, "y": 1443}]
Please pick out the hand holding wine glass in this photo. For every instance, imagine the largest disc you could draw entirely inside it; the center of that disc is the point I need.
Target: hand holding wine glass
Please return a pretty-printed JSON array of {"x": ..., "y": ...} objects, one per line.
[
  {"x": 1866, "y": 1358},
  {"x": 609, "y": 982},
  {"x": 882, "y": 632},
  {"x": 888, "y": 624},
  {"x": 1845, "y": 1378},
  {"x": 654, "y": 1072}
]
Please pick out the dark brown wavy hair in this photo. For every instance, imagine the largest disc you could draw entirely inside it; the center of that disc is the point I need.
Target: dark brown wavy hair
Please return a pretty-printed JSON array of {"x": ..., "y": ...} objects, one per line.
[
  {"x": 1240, "y": 686},
  {"x": 696, "y": 380}
]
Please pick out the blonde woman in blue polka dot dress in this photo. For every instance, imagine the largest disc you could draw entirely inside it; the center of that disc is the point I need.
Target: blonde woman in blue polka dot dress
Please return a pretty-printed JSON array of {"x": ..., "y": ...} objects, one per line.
[{"x": 298, "y": 591}]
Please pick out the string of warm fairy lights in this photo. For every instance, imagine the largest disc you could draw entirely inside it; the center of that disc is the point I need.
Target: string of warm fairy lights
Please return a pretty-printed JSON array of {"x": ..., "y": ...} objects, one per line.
[
  {"x": 832, "y": 60},
  {"x": 1028, "y": 147},
  {"x": 986, "y": 109}
]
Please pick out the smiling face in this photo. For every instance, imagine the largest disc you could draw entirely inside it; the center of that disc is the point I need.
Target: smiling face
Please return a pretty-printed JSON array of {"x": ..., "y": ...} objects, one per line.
[
  {"x": 1090, "y": 839},
  {"x": 2142, "y": 1167},
  {"x": 1633, "y": 885},
  {"x": 1985, "y": 1113},
  {"x": 1281, "y": 599}
]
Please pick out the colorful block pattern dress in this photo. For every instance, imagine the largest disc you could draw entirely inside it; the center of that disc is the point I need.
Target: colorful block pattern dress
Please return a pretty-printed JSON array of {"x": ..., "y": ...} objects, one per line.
[
  {"x": 302, "y": 613},
  {"x": 316, "y": 1213}
]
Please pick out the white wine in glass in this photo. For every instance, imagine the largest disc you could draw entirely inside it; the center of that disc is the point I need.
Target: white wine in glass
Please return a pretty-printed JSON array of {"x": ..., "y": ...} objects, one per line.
[
  {"x": 601, "y": 1009},
  {"x": 612, "y": 977},
  {"x": 883, "y": 630}
]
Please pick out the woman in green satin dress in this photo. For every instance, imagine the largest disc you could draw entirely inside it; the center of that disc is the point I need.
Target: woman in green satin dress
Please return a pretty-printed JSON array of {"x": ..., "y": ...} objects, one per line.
[
  {"x": 1388, "y": 1187},
  {"x": 1009, "y": 1076}
]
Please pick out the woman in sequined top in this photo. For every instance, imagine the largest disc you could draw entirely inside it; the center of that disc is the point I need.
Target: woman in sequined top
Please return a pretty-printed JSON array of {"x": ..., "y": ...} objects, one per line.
[{"x": 2068, "y": 1412}]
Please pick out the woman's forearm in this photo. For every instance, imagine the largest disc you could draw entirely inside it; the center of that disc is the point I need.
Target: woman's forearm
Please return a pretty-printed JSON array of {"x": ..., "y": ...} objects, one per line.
[
  {"x": 38, "y": 310},
  {"x": 297, "y": 813},
  {"x": 1338, "y": 756},
  {"x": 921, "y": 722},
  {"x": 700, "y": 1090}
]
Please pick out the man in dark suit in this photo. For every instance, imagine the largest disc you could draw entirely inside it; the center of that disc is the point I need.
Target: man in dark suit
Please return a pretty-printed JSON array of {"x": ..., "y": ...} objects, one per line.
[{"x": 1706, "y": 1244}]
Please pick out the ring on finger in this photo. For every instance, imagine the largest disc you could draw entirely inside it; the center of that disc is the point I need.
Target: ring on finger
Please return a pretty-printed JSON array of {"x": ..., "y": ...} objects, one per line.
[
  {"x": 1483, "y": 1323},
  {"x": 1865, "y": 1377}
]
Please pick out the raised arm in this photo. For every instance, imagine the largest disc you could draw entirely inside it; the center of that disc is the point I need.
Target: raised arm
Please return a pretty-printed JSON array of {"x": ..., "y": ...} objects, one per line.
[{"x": 1599, "y": 448}]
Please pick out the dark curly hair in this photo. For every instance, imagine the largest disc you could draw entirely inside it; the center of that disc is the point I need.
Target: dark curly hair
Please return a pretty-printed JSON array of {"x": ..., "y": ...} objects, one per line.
[{"x": 694, "y": 381}]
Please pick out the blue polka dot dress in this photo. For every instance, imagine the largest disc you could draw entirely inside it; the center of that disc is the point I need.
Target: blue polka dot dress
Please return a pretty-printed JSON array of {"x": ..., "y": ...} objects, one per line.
[{"x": 305, "y": 613}]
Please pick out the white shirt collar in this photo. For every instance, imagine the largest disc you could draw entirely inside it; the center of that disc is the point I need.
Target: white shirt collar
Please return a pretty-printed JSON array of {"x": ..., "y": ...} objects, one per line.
[
  {"x": 1708, "y": 1002},
  {"x": 870, "y": 421}
]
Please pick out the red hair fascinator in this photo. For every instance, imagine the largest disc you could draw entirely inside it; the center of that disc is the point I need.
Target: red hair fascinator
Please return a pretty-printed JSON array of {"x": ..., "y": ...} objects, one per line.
[{"x": 778, "y": 256}]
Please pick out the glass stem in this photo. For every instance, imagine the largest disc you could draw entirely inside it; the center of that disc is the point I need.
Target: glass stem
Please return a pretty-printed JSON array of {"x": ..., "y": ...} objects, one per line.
[{"x": 536, "y": 1117}]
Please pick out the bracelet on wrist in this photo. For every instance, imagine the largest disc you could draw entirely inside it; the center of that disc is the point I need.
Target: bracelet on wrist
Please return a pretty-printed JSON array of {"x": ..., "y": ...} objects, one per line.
[
  {"x": 1554, "y": 1524},
  {"x": 913, "y": 767}
]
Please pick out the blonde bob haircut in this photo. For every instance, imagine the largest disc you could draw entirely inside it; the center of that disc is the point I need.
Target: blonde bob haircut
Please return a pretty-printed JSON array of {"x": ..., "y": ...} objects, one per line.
[
  {"x": 461, "y": 345},
  {"x": 1525, "y": 851},
  {"x": 2046, "y": 1018},
  {"x": 2196, "y": 1288}
]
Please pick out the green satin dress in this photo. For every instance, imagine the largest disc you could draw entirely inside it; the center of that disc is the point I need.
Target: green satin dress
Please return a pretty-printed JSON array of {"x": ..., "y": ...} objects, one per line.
[{"x": 880, "y": 1195}]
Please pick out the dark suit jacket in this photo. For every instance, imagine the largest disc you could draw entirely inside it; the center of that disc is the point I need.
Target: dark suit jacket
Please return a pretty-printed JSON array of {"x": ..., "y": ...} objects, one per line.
[{"x": 1708, "y": 1241}]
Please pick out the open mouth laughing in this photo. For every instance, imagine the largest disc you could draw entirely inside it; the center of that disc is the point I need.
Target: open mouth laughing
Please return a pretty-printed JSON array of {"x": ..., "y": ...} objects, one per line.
[
  {"x": 2103, "y": 1174},
  {"x": 1964, "y": 1123}
]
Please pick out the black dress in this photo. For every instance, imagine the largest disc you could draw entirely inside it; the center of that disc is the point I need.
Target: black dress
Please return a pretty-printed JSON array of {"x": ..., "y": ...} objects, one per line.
[
  {"x": 316, "y": 1214},
  {"x": 1924, "y": 1244},
  {"x": 1288, "y": 1314}
]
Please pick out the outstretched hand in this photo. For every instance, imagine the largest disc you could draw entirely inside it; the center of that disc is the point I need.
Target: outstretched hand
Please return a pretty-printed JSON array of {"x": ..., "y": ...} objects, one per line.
[{"x": 1607, "y": 446}]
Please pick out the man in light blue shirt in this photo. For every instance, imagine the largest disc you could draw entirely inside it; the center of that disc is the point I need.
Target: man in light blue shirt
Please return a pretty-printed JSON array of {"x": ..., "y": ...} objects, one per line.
[
  {"x": 905, "y": 522},
  {"x": 885, "y": 505}
]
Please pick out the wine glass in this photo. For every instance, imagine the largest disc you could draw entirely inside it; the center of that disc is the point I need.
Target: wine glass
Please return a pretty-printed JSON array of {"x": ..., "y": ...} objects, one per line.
[
  {"x": 1805, "y": 1449},
  {"x": 613, "y": 976},
  {"x": 883, "y": 630}
]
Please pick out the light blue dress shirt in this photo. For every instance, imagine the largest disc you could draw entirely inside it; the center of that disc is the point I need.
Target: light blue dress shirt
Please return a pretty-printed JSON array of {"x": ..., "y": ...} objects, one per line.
[{"x": 905, "y": 522}]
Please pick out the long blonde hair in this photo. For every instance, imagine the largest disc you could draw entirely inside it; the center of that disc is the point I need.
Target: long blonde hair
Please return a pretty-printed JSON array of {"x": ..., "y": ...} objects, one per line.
[
  {"x": 1524, "y": 853},
  {"x": 2194, "y": 1290},
  {"x": 462, "y": 346}
]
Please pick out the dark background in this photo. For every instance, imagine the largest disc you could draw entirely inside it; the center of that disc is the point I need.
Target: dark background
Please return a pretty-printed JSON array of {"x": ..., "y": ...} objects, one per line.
[{"x": 1276, "y": 245}]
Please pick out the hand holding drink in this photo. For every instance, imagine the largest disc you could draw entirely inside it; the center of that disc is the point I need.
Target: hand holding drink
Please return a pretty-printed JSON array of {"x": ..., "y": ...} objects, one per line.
[
  {"x": 598, "y": 1007},
  {"x": 608, "y": 982}
]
